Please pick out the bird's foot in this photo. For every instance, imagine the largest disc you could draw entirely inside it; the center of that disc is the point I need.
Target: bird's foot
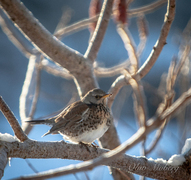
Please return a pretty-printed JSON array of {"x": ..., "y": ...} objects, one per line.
[
  {"x": 94, "y": 145},
  {"x": 87, "y": 146}
]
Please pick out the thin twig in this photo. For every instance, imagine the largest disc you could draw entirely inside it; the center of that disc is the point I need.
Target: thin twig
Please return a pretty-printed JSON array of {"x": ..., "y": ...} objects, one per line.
[
  {"x": 99, "y": 32},
  {"x": 14, "y": 36},
  {"x": 55, "y": 69},
  {"x": 143, "y": 33},
  {"x": 173, "y": 73},
  {"x": 31, "y": 166},
  {"x": 146, "y": 67},
  {"x": 138, "y": 100},
  {"x": 12, "y": 121},
  {"x": 30, "y": 89},
  {"x": 66, "y": 16},
  {"x": 169, "y": 17},
  {"x": 76, "y": 27},
  {"x": 130, "y": 47},
  {"x": 156, "y": 139},
  {"x": 83, "y": 24},
  {"x": 146, "y": 9},
  {"x": 115, "y": 88}
]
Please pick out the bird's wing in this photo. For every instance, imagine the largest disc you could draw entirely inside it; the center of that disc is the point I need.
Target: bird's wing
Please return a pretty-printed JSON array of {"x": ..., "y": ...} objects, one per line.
[{"x": 71, "y": 115}]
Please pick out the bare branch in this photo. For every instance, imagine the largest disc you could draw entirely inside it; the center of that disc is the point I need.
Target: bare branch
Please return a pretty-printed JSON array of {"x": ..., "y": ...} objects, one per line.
[
  {"x": 56, "y": 70},
  {"x": 143, "y": 33},
  {"x": 138, "y": 102},
  {"x": 112, "y": 71},
  {"x": 76, "y": 27},
  {"x": 125, "y": 163},
  {"x": 66, "y": 16},
  {"x": 50, "y": 46},
  {"x": 115, "y": 88},
  {"x": 130, "y": 47},
  {"x": 145, "y": 68},
  {"x": 83, "y": 24},
  {"x": 30, "y": 91},
  {"x": 14, "y": 37},
  {"x": 156, "y": 139},
  {"x": 12, "y": 121},
  {"x": 3, "y": 160},
  {"x": 99, "y": 32},
  {"x": 169, "y": 17},
  {"x": 146, "y": 9},
  {"x": 177, "y": 105}
]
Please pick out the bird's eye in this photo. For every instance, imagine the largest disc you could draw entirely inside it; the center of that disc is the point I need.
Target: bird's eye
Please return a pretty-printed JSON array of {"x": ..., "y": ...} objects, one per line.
[{"x": 97, "y": 97}]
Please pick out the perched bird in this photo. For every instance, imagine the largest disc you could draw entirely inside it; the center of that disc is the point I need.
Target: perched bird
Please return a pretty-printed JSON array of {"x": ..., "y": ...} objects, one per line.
[{"x": 83, "y": 121}]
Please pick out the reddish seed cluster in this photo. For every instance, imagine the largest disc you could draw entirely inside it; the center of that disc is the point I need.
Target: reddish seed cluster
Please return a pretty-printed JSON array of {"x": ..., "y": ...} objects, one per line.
[
  {"x": 94, "y": 9},
  {"x": 120, "y": 14}
]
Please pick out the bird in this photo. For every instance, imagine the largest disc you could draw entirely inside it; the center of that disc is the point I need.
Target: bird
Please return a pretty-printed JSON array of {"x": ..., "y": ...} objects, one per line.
[{"x": 83, "y": 121}]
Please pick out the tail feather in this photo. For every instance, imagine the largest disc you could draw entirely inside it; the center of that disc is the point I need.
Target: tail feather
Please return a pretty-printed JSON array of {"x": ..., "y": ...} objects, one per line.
[{"x": 48, "y": 122}]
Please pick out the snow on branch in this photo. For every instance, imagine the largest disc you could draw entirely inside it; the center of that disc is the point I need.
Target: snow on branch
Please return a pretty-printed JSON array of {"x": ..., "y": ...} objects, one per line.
[{"x": 159, "y": 168}]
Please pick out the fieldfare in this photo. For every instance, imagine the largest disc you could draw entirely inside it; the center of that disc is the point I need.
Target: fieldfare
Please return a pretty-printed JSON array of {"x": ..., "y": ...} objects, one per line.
[{"x": 83, "y": 121}]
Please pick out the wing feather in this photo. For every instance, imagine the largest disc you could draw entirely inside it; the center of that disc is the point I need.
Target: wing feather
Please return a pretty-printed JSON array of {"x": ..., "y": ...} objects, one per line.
[{"x": 71, "y": 115}]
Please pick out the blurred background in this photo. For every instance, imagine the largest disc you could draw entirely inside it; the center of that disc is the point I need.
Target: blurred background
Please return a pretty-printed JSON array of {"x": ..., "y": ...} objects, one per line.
[{"x": 55, "y": 92}]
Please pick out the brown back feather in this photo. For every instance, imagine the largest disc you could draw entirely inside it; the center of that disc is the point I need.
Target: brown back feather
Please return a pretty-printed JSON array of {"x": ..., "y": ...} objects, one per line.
[{"x": 69, "y": 116}]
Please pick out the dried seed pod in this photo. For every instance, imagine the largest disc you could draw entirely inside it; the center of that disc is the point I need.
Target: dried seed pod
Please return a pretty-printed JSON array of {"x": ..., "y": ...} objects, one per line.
[
  {"x": 94, "y": 9},
  {"x": 120, "y": 14}
]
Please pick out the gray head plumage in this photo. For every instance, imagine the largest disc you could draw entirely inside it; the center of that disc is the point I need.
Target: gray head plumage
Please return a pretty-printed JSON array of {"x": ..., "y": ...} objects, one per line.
[{"x": 95, "y": 96}]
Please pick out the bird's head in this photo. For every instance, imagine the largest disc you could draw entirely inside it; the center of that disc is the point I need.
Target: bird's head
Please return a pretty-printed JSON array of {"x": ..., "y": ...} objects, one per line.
[{"x": 95, "y": 96}]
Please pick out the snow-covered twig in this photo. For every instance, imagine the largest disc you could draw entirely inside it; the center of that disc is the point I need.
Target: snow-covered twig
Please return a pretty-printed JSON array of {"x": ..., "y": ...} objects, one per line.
[{"x": 157, "y": 169}]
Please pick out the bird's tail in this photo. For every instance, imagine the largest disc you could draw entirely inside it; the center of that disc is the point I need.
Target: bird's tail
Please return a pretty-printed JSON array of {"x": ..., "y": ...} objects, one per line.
[{"x": 49, "y": 122}]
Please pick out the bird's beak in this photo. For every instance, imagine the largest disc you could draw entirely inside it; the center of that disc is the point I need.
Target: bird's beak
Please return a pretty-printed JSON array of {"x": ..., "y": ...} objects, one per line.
[{"x": 105, "y": 96}]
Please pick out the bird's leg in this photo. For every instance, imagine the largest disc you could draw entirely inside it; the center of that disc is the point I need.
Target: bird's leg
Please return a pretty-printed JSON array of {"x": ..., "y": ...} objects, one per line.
[
  {"x": 85, "y": 145},
  {"x": 94, "y": 145}
]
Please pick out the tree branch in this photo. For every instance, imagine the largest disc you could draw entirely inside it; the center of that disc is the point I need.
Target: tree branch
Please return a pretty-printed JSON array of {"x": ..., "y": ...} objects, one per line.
[
  {"x": 3, "y": 160},
  {"x": 14, "y": 36},
  {"x": 146, "y": 67},
  {"x": 99, "y": 32},
  {"x": 31, "y": 86},
  {"x": 50, "y": 46},
  {"x": 33, "y": 149},
  {"x": 83, "y": 24},
  {"x": 56, "y": 70},
  {"x": 12, "y": 121},
  {"x": 138, "y": 165},
  {"x": 146, "y": 9},
  {"x": 169, "y": 17}
]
